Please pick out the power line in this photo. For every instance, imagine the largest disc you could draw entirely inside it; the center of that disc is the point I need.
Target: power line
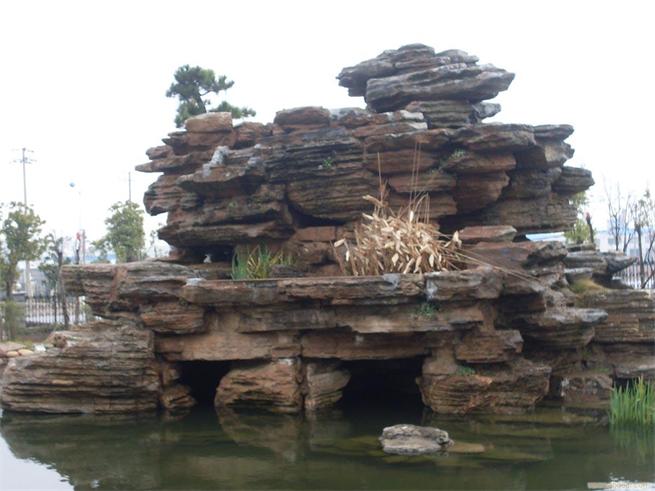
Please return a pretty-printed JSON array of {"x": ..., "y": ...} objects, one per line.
[{"x": 24, "y": 159}]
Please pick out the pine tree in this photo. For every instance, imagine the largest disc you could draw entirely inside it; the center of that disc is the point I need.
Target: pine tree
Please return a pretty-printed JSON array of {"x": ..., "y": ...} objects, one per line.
[{"x": 193, "y": 85}]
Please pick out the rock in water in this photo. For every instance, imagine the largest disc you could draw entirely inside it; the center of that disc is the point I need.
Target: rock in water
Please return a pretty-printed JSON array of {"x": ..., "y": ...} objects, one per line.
[{"x": 414, "y": 440}]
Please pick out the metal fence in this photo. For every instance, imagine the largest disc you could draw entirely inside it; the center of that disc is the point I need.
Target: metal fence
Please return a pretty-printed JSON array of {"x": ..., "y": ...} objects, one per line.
[
  {"x": 41, "y": 311},
  {"x": 631, "y": 275}
]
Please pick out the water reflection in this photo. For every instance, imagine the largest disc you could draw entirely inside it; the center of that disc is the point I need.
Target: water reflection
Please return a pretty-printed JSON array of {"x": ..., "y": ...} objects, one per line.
[{"x": 339, "y": 449}]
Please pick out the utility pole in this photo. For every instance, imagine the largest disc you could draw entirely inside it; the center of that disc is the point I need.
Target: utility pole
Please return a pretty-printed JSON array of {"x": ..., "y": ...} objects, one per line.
[
  {"x": 24, "y": 159},
  {"x": 129, "y": 187}
]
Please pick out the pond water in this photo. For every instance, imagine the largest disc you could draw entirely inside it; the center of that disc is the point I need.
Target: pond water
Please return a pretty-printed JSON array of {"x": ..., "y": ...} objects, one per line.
[{"x": 549, "y": 449}]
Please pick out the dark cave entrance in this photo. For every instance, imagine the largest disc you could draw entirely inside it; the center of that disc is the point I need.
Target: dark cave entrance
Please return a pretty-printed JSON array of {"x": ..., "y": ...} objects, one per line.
[
  {"x": 383, "y": 383},
  {"x": 203, "y": 378}
]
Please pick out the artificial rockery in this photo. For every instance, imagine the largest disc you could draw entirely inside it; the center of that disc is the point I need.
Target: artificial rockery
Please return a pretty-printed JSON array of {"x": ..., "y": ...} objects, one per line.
[{"x": 500, "y": 334}]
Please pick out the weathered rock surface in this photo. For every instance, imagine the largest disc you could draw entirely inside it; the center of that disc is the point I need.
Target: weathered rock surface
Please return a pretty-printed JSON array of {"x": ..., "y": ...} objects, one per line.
[
  {"x": 225, "y": 185},
  {"x": 407, "y": 439},
  {"x": 107, "y": 367},
  {"x": 630, "y": 315},
  {"x": 487, "y": 337},
  {"x": 8, "y": 347},
  {"x": 322, "y": 384},
  {"x": 498, "y": 388},
  {"x": 416, "y": 73},
  {"x": 604, "y": 265},
  {"x": 453, "y": 113},
  {"x": 564, "y": 327},
  {"x": 583, "y": 388},
  {"x": 491, "y": 346},
  {"x": 273, "y": 386},
  {"x": 625, "y": 343},
  {"x": 489, "y": 233}
]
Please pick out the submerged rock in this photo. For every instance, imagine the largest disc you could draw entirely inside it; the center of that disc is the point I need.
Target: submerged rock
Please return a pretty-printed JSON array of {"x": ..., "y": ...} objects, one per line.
[{"x": 406, "y": 439}]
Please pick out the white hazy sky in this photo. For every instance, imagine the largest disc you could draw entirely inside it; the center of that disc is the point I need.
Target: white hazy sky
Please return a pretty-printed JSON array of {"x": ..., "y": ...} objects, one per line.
[{"x": 83, "y": 83}]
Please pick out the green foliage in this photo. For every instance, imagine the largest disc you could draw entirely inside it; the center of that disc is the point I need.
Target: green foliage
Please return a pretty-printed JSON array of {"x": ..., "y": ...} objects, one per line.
[
  {"x": 633, "y": 405},
  {"x": 192, "y": 85},
  {"x": 101, "y": 250},
  {"x": 427, "y": 310},
  {"x": 457, "y": 153},
  {"x": 579, "y": 200},
  {"x": 579, "y": 233},
  {"x": 256, "y": 263},
  {"x": 12, "y": 318},
  {"x": 125, "y": 233},
  {"x": 240, "y": 266},
  {"x": 52, "y": 261},
  {"x": 20, "y": 240},
  {"x": 328, "y": 163},
  {"x": 464, "y": 371}
]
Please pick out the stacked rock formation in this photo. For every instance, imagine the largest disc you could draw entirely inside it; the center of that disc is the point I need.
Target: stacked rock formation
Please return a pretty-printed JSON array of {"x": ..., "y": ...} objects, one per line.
[
  {"x": 494, "y": 337},
  {"x": 300, "y": 180}
]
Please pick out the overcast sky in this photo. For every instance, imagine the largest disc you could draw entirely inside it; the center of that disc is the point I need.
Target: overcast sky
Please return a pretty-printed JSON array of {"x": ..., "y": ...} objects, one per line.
[{"x": 83, "y": 83}]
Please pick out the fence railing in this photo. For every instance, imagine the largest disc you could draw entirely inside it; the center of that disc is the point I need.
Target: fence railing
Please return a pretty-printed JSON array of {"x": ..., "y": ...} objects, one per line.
[
  {"x": 632, "y": 276},
  {"x": 50, "y": 311}
]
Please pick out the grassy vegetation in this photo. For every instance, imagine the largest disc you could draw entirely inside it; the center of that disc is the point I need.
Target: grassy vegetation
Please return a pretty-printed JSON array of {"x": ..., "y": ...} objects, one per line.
[
  {"x": 457, "y": 153},
  {"x": 584, "y": 286},
  {"x": 257, "y": 262},
  {"x": 426, "y": 310},
  {"x": 466, "y": 371},
  {"x": 328, "y": 163},
  {"x": 12, "y": 318},
  {"x": 633, "y": 405}
]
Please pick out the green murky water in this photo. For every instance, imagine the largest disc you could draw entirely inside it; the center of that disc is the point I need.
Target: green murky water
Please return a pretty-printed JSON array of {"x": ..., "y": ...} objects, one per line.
[{"x": 337, "y": 450}]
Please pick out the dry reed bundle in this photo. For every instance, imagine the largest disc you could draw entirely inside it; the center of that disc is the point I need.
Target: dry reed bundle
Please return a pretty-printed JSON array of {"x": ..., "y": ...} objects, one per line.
[
  {"x": 397, "y": 242},
  {"x": 405, "y": 241}
]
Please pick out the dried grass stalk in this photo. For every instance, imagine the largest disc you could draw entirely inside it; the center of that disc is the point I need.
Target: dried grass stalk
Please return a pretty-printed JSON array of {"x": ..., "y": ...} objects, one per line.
[{"x": 403, "y": 241}]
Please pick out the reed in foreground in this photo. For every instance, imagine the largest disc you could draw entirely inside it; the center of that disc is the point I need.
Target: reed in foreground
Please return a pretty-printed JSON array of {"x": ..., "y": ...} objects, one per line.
[{"x": 633, "y": 404}]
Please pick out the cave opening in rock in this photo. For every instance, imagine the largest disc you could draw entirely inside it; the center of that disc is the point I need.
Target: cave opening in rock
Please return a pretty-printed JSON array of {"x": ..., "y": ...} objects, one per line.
[
  {"x": 385, "y": 383},
  {"x": 203, "y": 378}
]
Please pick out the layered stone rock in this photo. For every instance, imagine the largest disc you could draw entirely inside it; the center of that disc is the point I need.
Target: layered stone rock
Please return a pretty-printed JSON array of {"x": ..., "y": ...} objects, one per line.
[
  {"x": 273, "y": 386},
  {"x": 322, "y": 384},
  {"x": 266, "y": 183},
  {"x": 583, "y": 388},
  {"x": 106, "y": 367},
  {"x": 626, "y": 341},
  {"x": 416, "y": 73},
  {"x": 147, "y": 292},
  {"x": 490, "y": 335},
  {"x": 512, "y": 388},
  {"x": 311, "y": 322},
  {"x": 174, "y": 396},
  {"x": 604, "y": 265},
  {"x": 561, "y": 328}
]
